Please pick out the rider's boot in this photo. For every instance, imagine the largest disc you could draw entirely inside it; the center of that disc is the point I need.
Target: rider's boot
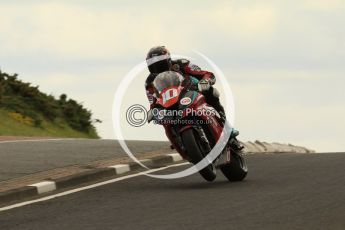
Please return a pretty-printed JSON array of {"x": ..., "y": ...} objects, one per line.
[
  {"x": 212, "y": 98},
  {"x": 234, "y": 133},
  {"x": 233, "y": 140}
]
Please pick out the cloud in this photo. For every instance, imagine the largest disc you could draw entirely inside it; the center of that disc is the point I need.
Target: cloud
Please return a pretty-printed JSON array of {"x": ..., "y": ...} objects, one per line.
[
  {"x": 74, "y": 31},
  {"x": 284, "y": 59},
  {"x": 251, "y": 22},
  {"x": 324, "y": 5}
]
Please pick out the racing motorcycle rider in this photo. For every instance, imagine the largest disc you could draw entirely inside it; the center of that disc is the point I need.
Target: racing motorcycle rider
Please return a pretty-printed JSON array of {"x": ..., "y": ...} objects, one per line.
[{"x": 158, "y": 60}]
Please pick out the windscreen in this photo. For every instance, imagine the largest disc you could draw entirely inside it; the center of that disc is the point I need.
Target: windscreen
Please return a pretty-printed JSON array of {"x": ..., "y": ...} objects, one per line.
[{"x": 167, "y": 79}]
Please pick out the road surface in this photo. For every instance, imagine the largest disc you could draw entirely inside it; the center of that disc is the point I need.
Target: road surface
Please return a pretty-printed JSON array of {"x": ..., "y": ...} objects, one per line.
[{"x": 282, "y": 191}]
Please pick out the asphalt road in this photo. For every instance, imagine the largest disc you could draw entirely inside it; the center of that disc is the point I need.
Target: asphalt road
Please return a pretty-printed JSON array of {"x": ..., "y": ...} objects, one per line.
[
  {"x": 282, "y": 191},
  {"x": 27, "y": 157}
]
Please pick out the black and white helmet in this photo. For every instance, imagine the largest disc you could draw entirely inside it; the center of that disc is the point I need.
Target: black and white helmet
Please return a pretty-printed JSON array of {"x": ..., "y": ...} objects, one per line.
[{"x": 158, "y": 59}]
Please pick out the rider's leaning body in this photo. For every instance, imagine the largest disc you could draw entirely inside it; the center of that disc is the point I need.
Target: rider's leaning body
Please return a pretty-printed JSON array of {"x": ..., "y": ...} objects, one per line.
[{"x": 158, "y": 60}]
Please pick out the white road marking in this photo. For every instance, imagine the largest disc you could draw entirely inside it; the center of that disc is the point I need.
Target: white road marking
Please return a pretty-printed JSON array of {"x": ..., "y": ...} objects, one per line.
[
  {"x": 86, "y": 187},
  {"x": 120, "y": 168},
  {"x": 44, "y": 186}
]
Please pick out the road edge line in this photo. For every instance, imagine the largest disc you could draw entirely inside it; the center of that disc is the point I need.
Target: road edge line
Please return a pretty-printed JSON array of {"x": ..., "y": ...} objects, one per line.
[{"x": 93, "y": 175}]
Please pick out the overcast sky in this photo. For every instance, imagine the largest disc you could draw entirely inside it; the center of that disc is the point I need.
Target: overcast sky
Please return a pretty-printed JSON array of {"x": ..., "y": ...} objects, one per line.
[{"x": 285, "y": 60}]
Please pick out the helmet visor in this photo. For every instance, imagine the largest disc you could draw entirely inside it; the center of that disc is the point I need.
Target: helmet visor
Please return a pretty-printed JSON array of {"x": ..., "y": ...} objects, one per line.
[{"x": 159, "y": 64}]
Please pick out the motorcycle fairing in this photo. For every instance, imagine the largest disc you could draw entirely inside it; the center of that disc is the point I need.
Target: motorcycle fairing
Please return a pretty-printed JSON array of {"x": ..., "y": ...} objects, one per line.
[{"x": 169, "y": 96}]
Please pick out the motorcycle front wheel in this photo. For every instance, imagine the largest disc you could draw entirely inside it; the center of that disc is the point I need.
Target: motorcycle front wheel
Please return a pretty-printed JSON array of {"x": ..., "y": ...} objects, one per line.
[{"x": 191, "y": 142}]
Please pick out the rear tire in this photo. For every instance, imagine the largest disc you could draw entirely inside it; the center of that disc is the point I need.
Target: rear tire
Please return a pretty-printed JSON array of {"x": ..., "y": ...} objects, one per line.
[
  {"x": 237, "y": 169},
  {"x": 190, "y": 141}
]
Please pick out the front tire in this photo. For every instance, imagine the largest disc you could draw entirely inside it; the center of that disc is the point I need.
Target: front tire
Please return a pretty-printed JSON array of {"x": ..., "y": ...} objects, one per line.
[{"x": 191, "y": 142}]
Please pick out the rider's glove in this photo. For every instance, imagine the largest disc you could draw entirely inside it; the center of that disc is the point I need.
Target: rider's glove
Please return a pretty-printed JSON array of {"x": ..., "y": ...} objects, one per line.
[{"x": 204, "y": 85}]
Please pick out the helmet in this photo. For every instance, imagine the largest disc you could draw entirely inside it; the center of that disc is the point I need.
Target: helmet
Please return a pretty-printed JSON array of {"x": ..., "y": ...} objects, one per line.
[{"x": 158, "y": 59}]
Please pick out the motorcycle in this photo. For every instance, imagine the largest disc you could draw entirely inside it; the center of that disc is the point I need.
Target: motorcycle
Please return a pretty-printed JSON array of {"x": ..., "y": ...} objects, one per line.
[{"x": 194, "y": 127}]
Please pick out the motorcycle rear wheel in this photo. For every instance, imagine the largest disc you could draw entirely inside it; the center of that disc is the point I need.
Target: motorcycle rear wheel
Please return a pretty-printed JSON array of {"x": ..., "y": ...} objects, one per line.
[
  {"x": 191, "y": 142},
  {"x": 237, "y": 169}
]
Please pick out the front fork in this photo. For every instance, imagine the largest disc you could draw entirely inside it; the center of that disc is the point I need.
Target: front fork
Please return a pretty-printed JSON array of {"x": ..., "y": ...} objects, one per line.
[{"x": 175, "y": 139}]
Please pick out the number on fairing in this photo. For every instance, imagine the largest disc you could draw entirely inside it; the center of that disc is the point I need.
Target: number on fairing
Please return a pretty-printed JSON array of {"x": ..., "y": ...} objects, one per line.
[{"x": 169, "y": 94}]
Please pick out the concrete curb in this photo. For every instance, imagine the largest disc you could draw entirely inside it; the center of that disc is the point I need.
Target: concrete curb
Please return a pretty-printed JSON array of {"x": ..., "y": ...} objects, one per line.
[
  {"x": 80, "y": 178},
  {"x": 118, "y": 169}
]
